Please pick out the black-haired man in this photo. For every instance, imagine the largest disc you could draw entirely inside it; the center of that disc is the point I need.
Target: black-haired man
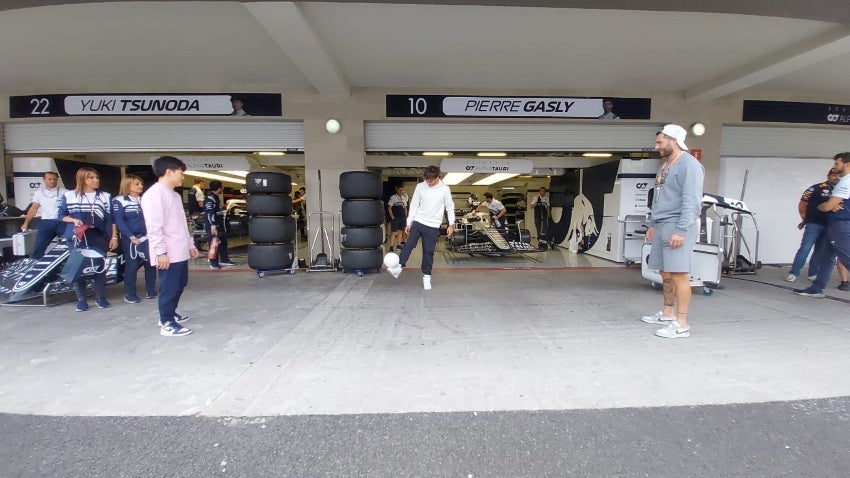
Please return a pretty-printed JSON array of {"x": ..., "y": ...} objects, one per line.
[
  {"x": 169, "y": 241},
  {"x": 837, "y": 208},
  {"x": 431, "y": 200},
  {"x": 214, "y": 225}
]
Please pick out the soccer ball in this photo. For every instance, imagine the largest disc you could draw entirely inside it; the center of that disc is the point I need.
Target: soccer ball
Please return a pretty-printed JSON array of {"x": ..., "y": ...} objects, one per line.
[{"x": 391, "y": 259}]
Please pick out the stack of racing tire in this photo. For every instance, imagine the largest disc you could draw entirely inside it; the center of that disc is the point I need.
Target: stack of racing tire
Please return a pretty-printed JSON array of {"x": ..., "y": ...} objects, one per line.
[
  {"x": 271, "y": 226},
  {"x": 362, "y": 217}
]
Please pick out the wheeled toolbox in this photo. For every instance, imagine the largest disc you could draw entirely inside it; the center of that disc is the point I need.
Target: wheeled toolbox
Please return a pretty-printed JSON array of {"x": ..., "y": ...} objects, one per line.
[{"x": 705, "y": 267}]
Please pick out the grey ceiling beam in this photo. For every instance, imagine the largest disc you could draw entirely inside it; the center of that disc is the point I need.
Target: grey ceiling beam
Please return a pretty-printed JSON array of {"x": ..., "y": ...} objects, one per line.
[
  {"x": 287, "y": 24},
  {"x": 830, "y": 44}
]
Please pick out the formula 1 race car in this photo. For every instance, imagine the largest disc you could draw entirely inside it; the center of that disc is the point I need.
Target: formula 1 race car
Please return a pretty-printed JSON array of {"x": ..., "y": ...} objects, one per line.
[
  {"x": 27, "y": 279},
  {"x": 475, "y": 233}
]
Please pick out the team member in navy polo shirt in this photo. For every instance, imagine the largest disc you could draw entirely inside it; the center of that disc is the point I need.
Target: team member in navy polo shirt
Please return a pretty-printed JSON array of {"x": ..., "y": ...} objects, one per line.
[
  {"x": 814, "y": 222},
  {"x": 214, "y": 225},
  {"x": 838, "y": 227},
  {"x": 127, "y": 213}
]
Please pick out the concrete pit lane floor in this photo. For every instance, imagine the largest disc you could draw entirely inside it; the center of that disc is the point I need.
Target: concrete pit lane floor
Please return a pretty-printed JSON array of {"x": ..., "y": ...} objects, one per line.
[{"x": 497, "y": 371}]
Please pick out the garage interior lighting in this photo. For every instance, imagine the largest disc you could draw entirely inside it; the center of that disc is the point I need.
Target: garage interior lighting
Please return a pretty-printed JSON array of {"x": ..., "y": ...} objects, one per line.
[
  {"x": 199, "y": 174},
  {"x": 491, "y": 154},
  {"x": 452, "y": 179},
  {"x": 597, "y": 155},
  {"x": 436, "y": 153},
  {"x": 271, "y": 153},
  {"x": 241, "y": 174},
  {"x": 493, "y": 178}
]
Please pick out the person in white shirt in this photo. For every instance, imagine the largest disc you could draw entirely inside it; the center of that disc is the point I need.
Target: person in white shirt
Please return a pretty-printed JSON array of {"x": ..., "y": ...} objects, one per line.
[
  {"x": 46, "y": 199},
  {"x": 496, "y": 208},
  {"x": 397, "y": 210},
  {"x": 431, "y": 200}
]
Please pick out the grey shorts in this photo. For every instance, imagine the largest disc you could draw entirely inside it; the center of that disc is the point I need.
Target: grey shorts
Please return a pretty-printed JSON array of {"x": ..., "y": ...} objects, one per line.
[{"x": 662, "y": 257}]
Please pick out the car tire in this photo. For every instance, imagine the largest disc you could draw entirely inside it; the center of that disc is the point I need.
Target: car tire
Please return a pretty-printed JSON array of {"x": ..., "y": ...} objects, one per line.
[
  {"x": 268, "y": 183},
  {"x": 279, "y": 229},
  {"x": 269, "y": 204},
  {"x": 362, "y": 259},
  {"x": 362, "y": 212},
  {"x": 458, "y": 238},
  {"x": 270, "y": 257},
  {"x": 360, "y": 185},
  {"x": 236, "y": 226},
  {"x": 361, "y": 237}
]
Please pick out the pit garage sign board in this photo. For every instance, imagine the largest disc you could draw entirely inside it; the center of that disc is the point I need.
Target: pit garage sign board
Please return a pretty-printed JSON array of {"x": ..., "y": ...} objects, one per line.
[
  {"x": 441, "y": 106},
  {"x": 796, "y": 112},
  {"x": 477, "y": 165},
  {"x": 145, "y": 104}
]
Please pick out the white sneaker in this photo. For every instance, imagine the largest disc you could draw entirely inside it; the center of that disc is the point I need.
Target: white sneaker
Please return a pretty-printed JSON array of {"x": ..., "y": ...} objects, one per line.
[
  {"x": 426, "y": 282},
  {"x": 395, "y": 270},
  {"x": 673, "y": 331},
  {"x": 790, "y": 278},
  {"x": 813, "y": 277},
  {"x": 657, "y": 318}
]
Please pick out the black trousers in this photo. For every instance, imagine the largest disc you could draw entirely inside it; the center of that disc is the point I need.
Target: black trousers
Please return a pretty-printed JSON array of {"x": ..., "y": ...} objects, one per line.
[{"x": 429, "y": 237}]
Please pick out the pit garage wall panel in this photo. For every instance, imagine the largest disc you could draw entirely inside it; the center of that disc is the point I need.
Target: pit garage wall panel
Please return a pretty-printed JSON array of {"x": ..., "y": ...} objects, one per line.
[
  {"x": 755, "y": 141},
  {"x": 782, "y": 163},
  {"x": 773, "y": 190},
  {"x": 417, "y": 136},
  {"x": 152, "y": 136}
]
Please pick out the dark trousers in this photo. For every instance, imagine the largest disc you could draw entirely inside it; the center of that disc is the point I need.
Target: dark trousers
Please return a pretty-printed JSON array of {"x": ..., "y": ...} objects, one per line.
[
  {"x": 47, "y": 230},
  {"x": 541, "y": 223},
  {"x": 99, "y": 280},
  {"x": 429, "y": 237},
  {"x": 223, "y": 254},
  {"x": 838, "y": 246},
  {"x": 132, "y": 262},
  {"x": 172, "y": 281}
]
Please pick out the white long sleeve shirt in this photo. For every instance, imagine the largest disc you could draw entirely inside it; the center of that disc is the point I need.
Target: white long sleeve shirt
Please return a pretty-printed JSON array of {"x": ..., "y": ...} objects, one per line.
[{"x": 429, "y": 203}]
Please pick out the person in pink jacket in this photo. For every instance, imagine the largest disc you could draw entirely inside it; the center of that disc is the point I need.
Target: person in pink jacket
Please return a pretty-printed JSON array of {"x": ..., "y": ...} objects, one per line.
[{"x": 170, "y": 243}]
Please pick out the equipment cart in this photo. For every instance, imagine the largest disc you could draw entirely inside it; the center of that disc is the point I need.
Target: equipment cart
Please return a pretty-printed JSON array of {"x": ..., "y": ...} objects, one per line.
[{"x": 705, "y": 267}]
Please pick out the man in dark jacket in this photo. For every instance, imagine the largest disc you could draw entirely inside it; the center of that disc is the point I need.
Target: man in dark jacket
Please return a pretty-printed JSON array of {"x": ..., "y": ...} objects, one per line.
[{"x": 214, "y": 225}]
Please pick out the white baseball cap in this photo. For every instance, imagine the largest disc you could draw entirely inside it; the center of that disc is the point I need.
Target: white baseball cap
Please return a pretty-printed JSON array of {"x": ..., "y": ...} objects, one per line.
[{"x": 676, "y": 132}]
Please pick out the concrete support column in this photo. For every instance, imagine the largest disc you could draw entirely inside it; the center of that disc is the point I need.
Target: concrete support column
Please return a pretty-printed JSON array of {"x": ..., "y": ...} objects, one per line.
[{"x": 330, "y": 154}]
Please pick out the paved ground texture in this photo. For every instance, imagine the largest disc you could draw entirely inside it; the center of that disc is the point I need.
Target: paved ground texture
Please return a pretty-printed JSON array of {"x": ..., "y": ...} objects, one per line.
[{"x": 507, "y": 373}]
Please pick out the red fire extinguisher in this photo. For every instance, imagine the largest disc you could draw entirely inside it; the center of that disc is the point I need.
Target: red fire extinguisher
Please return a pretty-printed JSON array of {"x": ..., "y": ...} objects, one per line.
[{"x": 213, "y": 252}]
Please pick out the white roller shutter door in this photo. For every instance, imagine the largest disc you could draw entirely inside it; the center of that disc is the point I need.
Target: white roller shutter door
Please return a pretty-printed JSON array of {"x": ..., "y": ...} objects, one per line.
[
  {"x": 772, "y": 142},
  {"x": 415, "y": 136},
  {"x": 152, "y": 136}
]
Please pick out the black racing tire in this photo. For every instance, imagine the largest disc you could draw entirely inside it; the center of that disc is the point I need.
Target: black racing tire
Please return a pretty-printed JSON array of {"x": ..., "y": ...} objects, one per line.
[
  {"x": 362, "y": 259},
  {"x": 458, "y": 238},
  {"x": 270, "y": 257},
  {"x": 268, "y": 183},
  {"x": 236, "y": 225},
  {"x": 362, "y": 212},
  {"x": 360, "y": 185},
  {"x": 279, "y": 229},
  {"x": 525, "y": 236},
  {"x": 361, "y": 237},
  {"x": 269, "y": 204}
]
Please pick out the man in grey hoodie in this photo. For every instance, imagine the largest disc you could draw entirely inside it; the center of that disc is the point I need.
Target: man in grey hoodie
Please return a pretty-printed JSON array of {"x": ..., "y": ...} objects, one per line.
[
  {"x": 431, "y": 199},
  {"x": 675, "y": 229}
]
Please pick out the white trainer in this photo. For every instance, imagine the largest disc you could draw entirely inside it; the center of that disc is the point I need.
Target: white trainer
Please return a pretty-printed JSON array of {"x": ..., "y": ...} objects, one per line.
[
  {"x": 790, "y": 278},
  {"x": 813, "y": 277},
  {"x": 426, "y": 282},
  {"x": 395, "y": 270},
  {"x": 657, "y": 318},
  {"x": 674, "y": 331}
]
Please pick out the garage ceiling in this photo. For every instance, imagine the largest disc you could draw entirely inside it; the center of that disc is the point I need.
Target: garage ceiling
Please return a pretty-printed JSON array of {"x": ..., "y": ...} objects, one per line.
[{"x": 788, "y": 48}]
